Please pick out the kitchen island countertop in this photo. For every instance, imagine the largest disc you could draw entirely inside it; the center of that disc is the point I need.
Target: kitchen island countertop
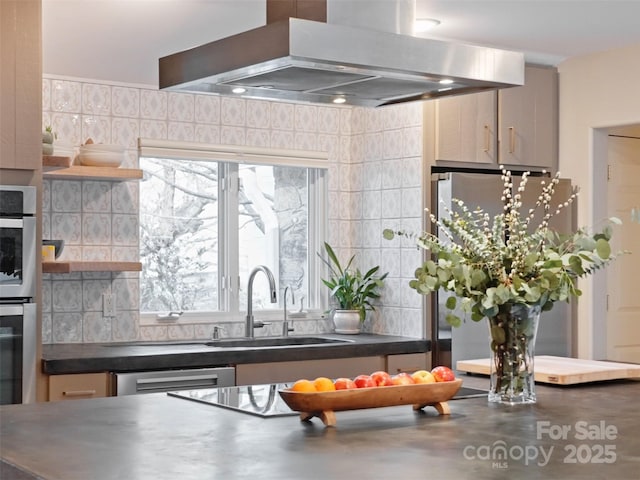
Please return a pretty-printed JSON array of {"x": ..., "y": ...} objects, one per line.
[{"x": 588, "y": 431}]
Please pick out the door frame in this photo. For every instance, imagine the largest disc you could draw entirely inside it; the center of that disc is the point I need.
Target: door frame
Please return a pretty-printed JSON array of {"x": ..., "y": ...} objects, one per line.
[{"x": 599, "y": 208}]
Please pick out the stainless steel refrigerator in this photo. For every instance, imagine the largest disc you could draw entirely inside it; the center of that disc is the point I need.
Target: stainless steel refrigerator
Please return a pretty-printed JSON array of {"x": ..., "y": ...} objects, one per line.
[{"x": 471, "y": 340}]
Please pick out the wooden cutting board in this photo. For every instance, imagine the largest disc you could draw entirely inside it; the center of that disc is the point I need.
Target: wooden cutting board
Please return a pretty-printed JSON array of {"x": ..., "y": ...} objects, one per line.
[{"x": 563, "y": 370}]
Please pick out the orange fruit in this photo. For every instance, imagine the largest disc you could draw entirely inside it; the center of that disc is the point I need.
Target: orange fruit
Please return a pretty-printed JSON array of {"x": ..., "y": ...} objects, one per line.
[
  {"x": 324, "y": 384},
  {"x": 303, "y": 385}
]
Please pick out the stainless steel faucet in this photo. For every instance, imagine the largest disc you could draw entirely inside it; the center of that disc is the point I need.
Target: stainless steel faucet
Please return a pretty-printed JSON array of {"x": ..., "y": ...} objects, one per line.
[
  {"x": 250, "y": 324},
  {"x": 285, "y": 323}
]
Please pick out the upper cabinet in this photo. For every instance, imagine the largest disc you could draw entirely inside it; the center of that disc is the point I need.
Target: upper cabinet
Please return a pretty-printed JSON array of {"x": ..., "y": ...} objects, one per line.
[
  {"x": 515, "y": 126},
  {"x": 466, "y": 128},
  {"x": 20, "y": 85}
]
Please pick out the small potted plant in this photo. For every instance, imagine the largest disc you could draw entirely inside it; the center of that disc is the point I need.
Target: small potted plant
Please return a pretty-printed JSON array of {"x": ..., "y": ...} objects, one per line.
[{"x": 352, "y": 290}]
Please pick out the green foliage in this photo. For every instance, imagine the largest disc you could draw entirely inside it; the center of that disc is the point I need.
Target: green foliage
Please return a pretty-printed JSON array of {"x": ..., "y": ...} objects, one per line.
[
  {"x": 353, "y": 290},
  {"x": 488, "y": 262}
]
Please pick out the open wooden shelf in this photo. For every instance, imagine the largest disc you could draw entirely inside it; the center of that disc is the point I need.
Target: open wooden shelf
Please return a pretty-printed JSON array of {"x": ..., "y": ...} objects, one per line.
[
  {"x": 73, "y": 266},
  {"x": 62, "y": 168}
]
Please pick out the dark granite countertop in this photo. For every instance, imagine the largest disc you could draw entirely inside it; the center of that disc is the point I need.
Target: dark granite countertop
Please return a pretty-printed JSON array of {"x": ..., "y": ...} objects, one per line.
[
  {"x": 159, "y": 437},
  {"x": 87, "y": 358}
]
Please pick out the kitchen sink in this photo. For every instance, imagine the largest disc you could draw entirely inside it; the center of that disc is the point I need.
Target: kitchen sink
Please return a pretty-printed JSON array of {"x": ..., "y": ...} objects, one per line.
[
  {"x": 239, "y": 342},
  {"x": 173, "y": 343},
  {"x": 274, "y": 342}
]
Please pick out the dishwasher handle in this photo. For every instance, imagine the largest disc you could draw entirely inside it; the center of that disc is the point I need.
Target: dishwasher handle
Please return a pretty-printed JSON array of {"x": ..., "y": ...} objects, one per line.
[
  {"x": 132, "y": 383},
  {"x": 162, "y": 384}
]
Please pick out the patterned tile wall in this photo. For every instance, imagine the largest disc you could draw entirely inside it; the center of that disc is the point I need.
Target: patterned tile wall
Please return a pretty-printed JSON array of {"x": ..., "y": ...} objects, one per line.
[{"x": 374, "y": 183}]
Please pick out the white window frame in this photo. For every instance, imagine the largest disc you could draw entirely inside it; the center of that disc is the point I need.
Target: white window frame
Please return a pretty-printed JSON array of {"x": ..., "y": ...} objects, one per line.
[{"x": 228, "y": 278}]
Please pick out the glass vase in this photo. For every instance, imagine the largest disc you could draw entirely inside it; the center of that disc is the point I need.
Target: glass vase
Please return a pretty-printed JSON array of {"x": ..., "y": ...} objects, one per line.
[{"x": 513, "y": 338}]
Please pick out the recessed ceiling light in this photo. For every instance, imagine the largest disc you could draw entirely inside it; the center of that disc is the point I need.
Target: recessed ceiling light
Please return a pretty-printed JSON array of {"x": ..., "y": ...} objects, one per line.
[
  {"x": 239, "y": 90},
  {"x": 446, "y": 81},
  {"x": 339, "y": 100},
  {"x": 424, "y": 24}
]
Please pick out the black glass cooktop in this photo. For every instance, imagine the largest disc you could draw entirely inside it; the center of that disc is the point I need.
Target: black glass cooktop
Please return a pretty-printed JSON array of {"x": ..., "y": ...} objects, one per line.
[{"x": 260, "y": 400}]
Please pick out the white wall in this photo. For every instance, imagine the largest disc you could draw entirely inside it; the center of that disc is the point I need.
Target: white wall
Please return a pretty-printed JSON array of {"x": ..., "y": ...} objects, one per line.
[{"x": 596, "y": 92}]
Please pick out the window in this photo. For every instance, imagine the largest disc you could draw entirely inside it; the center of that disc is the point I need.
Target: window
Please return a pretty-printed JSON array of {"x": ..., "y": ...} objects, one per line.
[{"x": 206, "y": 222}]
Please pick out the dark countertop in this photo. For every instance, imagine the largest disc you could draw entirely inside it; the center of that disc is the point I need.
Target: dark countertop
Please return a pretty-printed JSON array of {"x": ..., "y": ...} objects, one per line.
[
  {"x": 158, "y": 437},
  {"x": 87, "y": 358}
]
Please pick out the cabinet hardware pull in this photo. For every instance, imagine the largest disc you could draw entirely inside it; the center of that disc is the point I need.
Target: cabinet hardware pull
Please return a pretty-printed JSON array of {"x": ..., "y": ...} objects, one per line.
[
  {"x": 486, "y": 138},
  {"x": 78, "y": 393},
  {"x": 512, "y": 139}
]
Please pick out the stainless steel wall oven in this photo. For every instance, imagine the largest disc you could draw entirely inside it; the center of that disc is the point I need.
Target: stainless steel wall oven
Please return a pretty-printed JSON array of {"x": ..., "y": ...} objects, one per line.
[{"x": 17, "y": 289}]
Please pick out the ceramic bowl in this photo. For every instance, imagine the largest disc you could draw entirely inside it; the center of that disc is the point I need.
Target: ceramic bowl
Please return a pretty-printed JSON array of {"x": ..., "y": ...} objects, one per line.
[{"x": 101, "y": 155}]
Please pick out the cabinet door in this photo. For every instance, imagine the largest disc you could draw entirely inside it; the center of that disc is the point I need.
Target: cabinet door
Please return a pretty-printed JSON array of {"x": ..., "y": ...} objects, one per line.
[
  {"x": 466, "y": 128},
  {"x": 20, "y": 87},
  {"x": 528, "y": 120},
  {"x": 280, "y": 372},
  {"x": 408, "y": 362},
  {"x": 86, "y": 385}
]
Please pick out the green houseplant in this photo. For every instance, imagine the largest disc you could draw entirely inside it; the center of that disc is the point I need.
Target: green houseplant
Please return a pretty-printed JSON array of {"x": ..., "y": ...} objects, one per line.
[
  {"x": 508, "y": 269},
  {"x": 351, "y": 289}
]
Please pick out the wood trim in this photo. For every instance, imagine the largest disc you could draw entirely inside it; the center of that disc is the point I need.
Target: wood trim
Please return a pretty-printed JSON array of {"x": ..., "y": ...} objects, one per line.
[
  {"x": 100, "y": 173},
  {"x": 69, "y": 267}
]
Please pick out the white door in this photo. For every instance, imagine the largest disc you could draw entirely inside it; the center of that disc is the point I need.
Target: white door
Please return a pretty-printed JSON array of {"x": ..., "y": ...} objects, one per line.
[{"x": 623, "y": 276}]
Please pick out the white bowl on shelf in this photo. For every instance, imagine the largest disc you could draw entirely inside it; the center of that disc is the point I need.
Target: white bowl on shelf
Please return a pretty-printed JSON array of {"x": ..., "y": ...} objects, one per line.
[{"x": 101, "y": 155}]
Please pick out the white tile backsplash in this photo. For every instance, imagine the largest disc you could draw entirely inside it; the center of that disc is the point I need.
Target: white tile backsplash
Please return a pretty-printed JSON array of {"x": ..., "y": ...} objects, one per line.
[
  {"x": 66, "y": 196},
  {"x": 125, "y": 230},
  {"x": 66, "y": 96},
  {"x": 374, "y": 182},
  {"x": 96, "y": 328},
  {"x": 96, "y": 99},
  {"x": 125, "y": 102},
  {"x": 153, "y": 105},
  {"x": 97, "y": 128},
  {"x": 153, "y": 129},
  {"x": 282, "y": 116},
  {"x": 46, "y": 95},
  {"x": 124, "y": 326},
  {"x": 258, "y": 114},
  {"x": 207, "y": 133},
  {"x": 181, "y": 107},
  {"x": 67, "y": 296},
  {"x": 233, "y": 111},
  {"x": 96, "y": 229},
  {"x": 125, "y": 132},
  {"x": 207, "y": 109},
  {"x": 66, "y": 327},
  {"x": 96, "y": 197},
  {"x": 181, "y": 131},
  {"x": 67, "y": 227},
  {"x": 68, "y": 127}
]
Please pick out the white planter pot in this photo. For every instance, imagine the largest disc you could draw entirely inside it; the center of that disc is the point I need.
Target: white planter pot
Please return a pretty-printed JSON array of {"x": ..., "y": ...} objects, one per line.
[{"x": 347, "y": 321}]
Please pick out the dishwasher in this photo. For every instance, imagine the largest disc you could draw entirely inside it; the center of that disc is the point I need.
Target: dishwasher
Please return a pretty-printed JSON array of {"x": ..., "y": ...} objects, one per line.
[{"x": 134, "y": 383}]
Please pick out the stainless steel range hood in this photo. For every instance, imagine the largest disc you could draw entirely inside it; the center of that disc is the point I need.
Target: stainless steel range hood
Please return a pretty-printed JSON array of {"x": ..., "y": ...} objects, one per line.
[{"x": 309, "y": 61}]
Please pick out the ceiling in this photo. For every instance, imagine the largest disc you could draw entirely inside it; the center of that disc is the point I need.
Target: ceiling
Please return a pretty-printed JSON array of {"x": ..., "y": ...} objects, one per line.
[{"x": 121, "y": 40}]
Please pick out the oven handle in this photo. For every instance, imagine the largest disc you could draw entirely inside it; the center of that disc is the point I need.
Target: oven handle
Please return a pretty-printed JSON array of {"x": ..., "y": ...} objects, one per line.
[{"x": 11, "y": 310}]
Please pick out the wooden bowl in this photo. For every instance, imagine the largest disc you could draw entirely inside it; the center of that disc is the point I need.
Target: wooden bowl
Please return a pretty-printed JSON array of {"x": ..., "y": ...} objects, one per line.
[{"x": 323, "y": 404}]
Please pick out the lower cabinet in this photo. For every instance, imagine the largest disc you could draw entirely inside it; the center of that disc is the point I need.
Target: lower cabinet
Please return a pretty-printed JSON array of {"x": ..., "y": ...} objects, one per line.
[
  {"x": 283, "y": 372},
  {"x": 408, "y": 362},
  {"x": 82, "y": 385}
]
